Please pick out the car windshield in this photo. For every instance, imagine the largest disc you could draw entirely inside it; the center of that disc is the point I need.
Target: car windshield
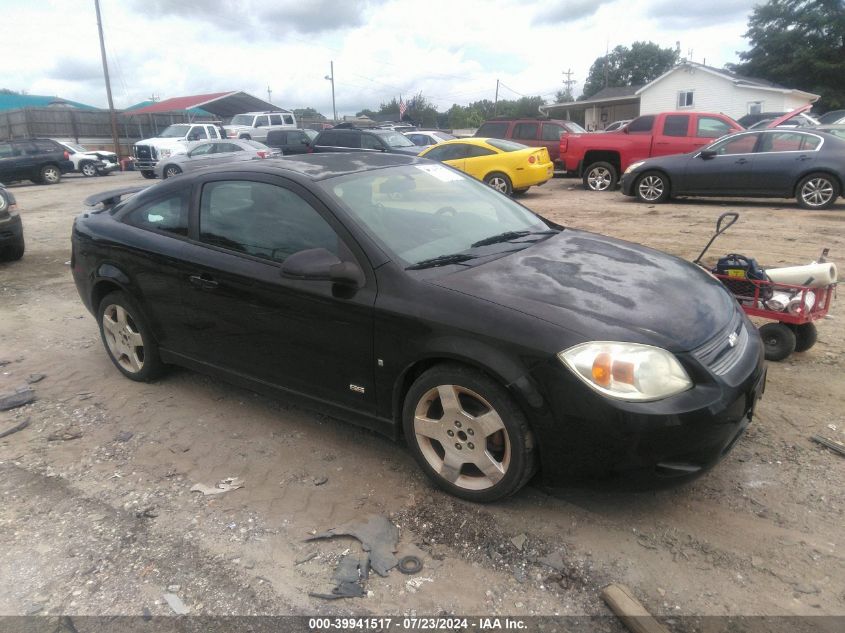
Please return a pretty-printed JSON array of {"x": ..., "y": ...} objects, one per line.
[
  {"x": 175, "y": 131},
  {"x": 242, "y": 119},
  {"x": 396, "y": 139},
  {"x": 426, "y": 211},
  {"x": 505, "y": 146}
]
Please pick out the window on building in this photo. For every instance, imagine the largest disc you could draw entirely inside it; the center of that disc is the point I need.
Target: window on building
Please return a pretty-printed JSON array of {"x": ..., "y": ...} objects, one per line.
[
  {"x": 685, "y": 98},
  {"x": 755, "y": 107}
]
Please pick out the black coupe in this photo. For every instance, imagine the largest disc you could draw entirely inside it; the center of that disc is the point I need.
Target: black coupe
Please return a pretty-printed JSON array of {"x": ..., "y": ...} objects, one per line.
[
  {"x": 777, "y": 163},
  {"x": 416, "y": 301}
]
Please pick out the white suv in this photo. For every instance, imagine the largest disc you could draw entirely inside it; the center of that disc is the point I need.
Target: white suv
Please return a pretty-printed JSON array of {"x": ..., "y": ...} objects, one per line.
[{"x": 255, "y": 125}]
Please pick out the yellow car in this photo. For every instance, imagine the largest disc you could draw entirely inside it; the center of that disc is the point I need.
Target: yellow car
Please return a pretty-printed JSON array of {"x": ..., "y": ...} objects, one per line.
[{"x": 504, "y": 165}]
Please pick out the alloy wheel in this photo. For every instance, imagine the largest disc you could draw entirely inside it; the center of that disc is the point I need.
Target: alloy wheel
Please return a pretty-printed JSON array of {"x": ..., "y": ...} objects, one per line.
[
  {"x": 599, "y": 178},
  {"x": 89, "y": 169},
  {"x": 51, "y": 175},
  {"x": 651, "y": 188},
  {"x": 462, "y": 437},
  {"x": 172, "y": 171},
  {"x": 499, "y": 184},
  {"x": 123, "y": 338},
  {"x": 817, "y": 192}
]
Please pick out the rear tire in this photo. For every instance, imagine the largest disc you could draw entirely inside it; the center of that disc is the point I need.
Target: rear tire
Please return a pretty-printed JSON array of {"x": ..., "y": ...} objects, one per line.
[
  {"x": 127, "y": 339},
  {"x": 817, "y": 191},
  {"x": 148, "y": 174},
  {"x": 500, "y": 182},
  {"x": 50, "y": 175},
  {"x": 806, "y": 336},
  {"x": 467, "y": 434},
  {"x": 600, "y": 176},
  {"x": 778, "y": 340},
  {"x": 13, "y": 252},
  {"x": 652, "y": 187},
  {"x": 170, "y": 171}
]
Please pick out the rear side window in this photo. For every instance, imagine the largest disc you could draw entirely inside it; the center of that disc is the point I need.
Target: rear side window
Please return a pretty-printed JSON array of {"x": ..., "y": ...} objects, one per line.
[
  {"x": 506, "y": 146},
  {"x": 275, "y": 119},
  {"x": 368, "y": 141},
  {"x": 474, "y": 151},
  {"x": 288, "y": 119},
  {"x": 353, "y": 140},
  {"x": 261, "y": 220},
  {"x": 452, "y": 151},
  {"x": 641, "y": 125},
  {"x": 168, "y": 214},
  {"x": 261, "y": 121},
  {"x": 6, "y": 150},
  {"x": 326, "y": 138},
  {"x": 276, "y": 138},
  {"x": 525, "y": 131},
  {"x": 711, "y": 127},
  {"x": 676, "y": 125},
  {"x": 552, "y": 131},
  {"x": 45, "y": 147},
  {"x": 499, "y": 129}
]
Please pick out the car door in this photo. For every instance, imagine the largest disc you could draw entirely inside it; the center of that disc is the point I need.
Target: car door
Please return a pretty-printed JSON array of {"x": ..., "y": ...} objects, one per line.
[
  {"x": 550, "y": 139},
  {"x": 202, "y": 155},
  {"x": 673, "y": 137},
  {"x": 27, "y": 162},
  {"x": 782, "y": 156},
  {"x": 727, "y": 171},
  {"x": 297, "y": 142},
  {"x": 453, "y": 154},
  {"x": 527, "y": 133},
  {"x": 247, "y": 318},
  {"x": 261, "y": 126},
  {"x": 480, "y": 161},
  {"x": 8, "y": 163}
]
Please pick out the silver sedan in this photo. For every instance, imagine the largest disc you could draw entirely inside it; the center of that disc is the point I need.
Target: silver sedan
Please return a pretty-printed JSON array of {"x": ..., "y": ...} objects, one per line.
[{"x": 210, "y": 153}]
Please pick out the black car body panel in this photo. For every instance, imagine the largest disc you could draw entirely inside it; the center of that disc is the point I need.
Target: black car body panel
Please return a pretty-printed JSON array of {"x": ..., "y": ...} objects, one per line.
[
  {"x": 23, "y": 159},
  {"x": 755, "y": 173},
  {"x": 356, "y": 140},
  {"x": 508, "y": 316},
  {"x": 11, "y": 226}
]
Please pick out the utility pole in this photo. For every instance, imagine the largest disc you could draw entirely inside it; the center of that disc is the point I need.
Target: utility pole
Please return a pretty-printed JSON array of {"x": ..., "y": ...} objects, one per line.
[
  {"x": 269, "y": 95},
  {"x": 496, "y": 102},
  {"x": 114, "y": 135},
  {"x": 331, "y": 78},
  {"x": 568, "y": 82}
]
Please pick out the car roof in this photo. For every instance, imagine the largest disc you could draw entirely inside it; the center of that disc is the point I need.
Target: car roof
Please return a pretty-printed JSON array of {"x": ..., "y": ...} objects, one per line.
[{"x": 320, "y": 166}]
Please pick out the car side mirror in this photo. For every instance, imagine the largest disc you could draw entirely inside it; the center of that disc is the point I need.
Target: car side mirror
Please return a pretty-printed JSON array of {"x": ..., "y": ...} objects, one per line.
[
  {"x": 707, "y": 154},
  {"x": 318, "y": 264}
]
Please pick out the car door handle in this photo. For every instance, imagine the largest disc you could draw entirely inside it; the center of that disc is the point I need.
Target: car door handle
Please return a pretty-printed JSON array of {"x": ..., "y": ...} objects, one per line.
[
  {"x": 803, "y": 157},
  {"x": 203, "y": 283},
  {"x": 741, "y": 161}
]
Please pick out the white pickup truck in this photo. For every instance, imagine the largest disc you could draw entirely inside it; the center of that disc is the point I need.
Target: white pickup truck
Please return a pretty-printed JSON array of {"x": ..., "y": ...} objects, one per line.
[{"x": 173, "y": 140}]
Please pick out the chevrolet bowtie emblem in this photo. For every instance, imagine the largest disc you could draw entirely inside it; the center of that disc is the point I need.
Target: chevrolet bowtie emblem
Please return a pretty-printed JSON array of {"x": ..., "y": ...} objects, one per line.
[{"x": 732, "y": 339}]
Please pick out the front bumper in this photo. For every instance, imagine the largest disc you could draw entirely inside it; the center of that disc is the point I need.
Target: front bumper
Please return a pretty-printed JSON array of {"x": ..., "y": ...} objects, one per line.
[
  {"x": 106, "y": 167},
  {"x": 587, "y": 437},
  {"x": 627, "y": 183}
]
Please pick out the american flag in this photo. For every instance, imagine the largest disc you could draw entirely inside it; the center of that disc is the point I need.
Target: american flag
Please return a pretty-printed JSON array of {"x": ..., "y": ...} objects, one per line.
[{"x": 402, "y": 108}]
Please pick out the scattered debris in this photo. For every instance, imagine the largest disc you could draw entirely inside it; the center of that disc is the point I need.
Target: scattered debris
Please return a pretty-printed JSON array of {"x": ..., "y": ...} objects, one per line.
[
  {"x": 306, "y": 558},
  {"x": 410, "y": 565},
  {"x": 833, "y": 445},
  {"x": 230, "y": 483},
  {"x": 319, "y": 481},
  {"x": 519, "y": 541},
  {"x": 416, "y": 583},
  {"x": 20, "y": 426},
  {"x": 179, "y": 448},
  {"x": 173, "y": 588},
  {"x": 146, "y": 614},
  {"x": 348, "y": 575},
  {"x": 147, "y": 513},
  {"x": 63, "y": 435},
  {"x": 16, "y": 398},
  {"x": 378, "y": 536},
  {"x": 34, "y": 378},
  {"x": 633, "y": 614},
  {"x": 176, "y": 604},
  {"x": 553, "y": 560},
  {"x": 124, "y": 436}
]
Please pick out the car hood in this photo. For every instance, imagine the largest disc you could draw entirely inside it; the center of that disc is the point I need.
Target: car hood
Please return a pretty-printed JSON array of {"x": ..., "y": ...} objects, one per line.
[
  {"x": 601, "y": 288},
  {"x": 410, "y": 151},
  {"x": 163, "y": 142}
]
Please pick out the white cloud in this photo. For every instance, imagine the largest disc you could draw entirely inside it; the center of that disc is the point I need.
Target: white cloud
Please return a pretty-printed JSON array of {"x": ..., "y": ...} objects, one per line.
[{"x": 451, "y": 51}]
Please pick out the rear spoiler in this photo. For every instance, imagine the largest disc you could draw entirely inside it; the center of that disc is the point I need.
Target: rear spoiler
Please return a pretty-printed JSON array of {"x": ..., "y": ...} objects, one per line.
[{"x": 112, "y": 196}]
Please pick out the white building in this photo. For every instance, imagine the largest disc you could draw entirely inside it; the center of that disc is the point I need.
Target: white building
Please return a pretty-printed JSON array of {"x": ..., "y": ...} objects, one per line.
[{"x": 691, "y": 86}]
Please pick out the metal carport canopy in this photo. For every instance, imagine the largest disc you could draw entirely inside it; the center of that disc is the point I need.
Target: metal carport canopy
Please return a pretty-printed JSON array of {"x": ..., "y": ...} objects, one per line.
[{"x": 222, "y": 104}]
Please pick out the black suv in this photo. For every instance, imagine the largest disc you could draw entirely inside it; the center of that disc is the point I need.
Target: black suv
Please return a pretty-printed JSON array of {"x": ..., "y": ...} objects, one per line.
[
  {"x": 11, "y": 229},
  {"x": 41, "y": 160},
  {"x": 289, "y": 141},
  {"x": 357, "y": 140}
]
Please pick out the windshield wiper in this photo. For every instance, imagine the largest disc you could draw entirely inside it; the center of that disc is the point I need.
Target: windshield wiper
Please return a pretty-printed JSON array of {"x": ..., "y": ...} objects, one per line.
[
  {"x": 441, "y": 260},
  {"x": 508, "y": 236}
]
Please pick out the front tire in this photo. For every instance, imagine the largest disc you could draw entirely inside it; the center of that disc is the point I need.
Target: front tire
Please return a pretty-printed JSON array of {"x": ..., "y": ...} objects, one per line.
[
  {"x": 652, "y": 187},
  {"x": 500, "y": 182},
  {"x": 88, "y": 169},
  {"x": 778, "y": 341},
  {"x": 50, "y": 175},
  {"x": 127, "y": 339},
  {"x": 600, "y": 176},
  {"x": 148, "y": 174},
  {"x": 13, "y": 252},
  {"x": 170, "y": 171},
  {"x": 467, "y": 434},
  {"x": 817, "y": 191}
]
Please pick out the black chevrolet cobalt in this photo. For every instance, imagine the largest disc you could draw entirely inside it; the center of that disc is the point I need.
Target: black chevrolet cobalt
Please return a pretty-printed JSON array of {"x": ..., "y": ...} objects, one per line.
[{"x": 415, "y": 300}]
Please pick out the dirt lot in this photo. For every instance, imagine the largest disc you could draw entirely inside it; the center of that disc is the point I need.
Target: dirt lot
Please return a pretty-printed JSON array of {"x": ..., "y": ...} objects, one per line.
[{"x": 98, "y": 518}]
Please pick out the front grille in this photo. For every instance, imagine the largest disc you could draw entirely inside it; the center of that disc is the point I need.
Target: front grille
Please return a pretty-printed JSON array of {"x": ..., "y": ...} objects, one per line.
[
  {"x": 143, "y": 152},
  {"x": 717, "y": 354}
]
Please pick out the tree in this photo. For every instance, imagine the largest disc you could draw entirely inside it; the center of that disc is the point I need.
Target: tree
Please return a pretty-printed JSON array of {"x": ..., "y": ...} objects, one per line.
[
  {"x": 564, "y": 96},
  {"x": 309, "y": 113},
  {"x": 801, "y": 44},
  {"x": 366, "y": 112},
  {"x": 625, "y": 66}
]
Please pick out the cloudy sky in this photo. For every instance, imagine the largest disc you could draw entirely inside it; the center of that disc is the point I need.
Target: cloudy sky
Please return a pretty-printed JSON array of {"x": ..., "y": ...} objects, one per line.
[{"x": 451, "y": 50}]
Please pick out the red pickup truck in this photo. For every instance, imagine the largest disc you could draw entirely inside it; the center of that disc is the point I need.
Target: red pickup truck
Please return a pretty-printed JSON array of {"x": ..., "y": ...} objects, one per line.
[{"x": 600, "y": 158}]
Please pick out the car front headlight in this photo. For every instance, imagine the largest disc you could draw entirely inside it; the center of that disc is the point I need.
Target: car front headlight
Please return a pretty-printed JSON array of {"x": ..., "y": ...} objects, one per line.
[
  {"x": 633, "y": 166},
  {"x": 165, "y": 153},
  {"x": 627, "y": 371}
]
